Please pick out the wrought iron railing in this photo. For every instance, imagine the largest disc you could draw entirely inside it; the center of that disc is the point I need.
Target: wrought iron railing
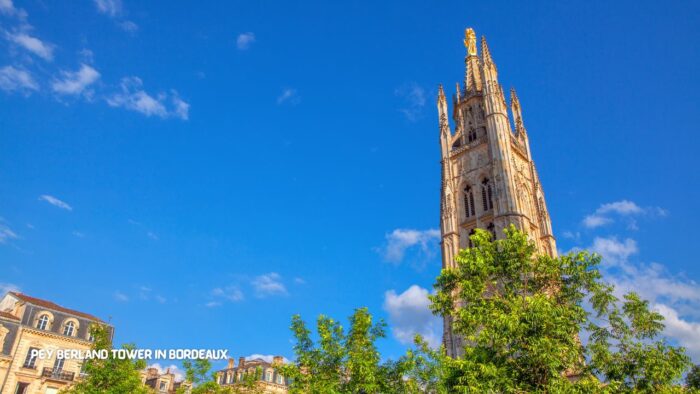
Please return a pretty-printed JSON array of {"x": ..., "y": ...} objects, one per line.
[{"x": 58, "y": 374}]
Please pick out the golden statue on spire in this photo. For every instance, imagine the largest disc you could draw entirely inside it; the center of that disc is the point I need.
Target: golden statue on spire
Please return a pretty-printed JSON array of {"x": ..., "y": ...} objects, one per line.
[{"x": 470, "y": 41}]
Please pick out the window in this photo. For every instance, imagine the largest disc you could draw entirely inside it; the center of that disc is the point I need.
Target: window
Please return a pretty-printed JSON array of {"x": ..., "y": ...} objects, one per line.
[
  {"x": 43, "y": 322},
  {"x": 163, "y": 386},
  {"x": 69, "y": 329},
  {"x": 58, "y": 365},
  {"x": 22, "y": 388},
  {"x": 472, "y": 135},
  {"x": 487, "y": 194},
  {"x": 280, "y": 379},
  {"x": 30, "y": 361},
  {"x": 83, "y": 368},
  {"x": 469, "y": 209},
  {"x": 492, "y": 230},
  {"x": 472, "y": 232},
  {"x": 268, "y": 376}
]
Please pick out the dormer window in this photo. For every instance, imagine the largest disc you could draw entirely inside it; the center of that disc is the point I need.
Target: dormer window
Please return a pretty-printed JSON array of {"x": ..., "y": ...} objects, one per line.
[
  {"x": 43, "y": 322},
  {"x": 69, "y": 329}
]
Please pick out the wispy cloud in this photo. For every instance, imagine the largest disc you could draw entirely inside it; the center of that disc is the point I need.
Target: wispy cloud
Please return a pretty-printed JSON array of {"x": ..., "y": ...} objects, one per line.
[
  {"x": 268, "y": 285},
  {"x": 606, "y": 212},
  {"x": 32, "y": 44},
  {"x": 245, "y": 40},
  {"x": 6, "y": 233},
  {"x": 129, "y": 27},
  {"x": 8, "y": 8},
  {"x": 230, "y": 293},
  {"x": 55, "y": 202},
  {"x": 409, "y": 314},
  {"x": 76, "y": 82},
  {"x": 163, "y": 105},
  {"x": 289, "y": 96},
  {"x": 121, "y": 297},
  {"x": 400, "y": 240},
  {"x": 413, "y": 100},
  {"x": 17, "y": 80},
  {"x": 109, "y": 7}
]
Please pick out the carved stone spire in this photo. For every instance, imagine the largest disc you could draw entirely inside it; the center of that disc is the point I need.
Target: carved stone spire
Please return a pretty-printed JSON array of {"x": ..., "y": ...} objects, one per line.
[
  {"x": 472, "y": 79},
  {"x": 485, "y": 53}
]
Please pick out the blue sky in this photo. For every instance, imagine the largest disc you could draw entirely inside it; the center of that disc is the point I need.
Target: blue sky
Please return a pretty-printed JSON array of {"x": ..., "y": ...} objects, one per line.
[{"x": 198, "y": 174}]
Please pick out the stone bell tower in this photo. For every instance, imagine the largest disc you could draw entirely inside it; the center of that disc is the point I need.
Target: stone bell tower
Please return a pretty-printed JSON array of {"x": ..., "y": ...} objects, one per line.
[{"x": 489, "y": 179}]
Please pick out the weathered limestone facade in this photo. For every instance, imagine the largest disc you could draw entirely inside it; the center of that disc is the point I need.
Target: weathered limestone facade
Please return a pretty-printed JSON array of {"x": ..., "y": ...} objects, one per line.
[
  {"x": 164, "y": 383},
  {"x": 489, "y": 179},
  {"x": 28, "y": 323}
]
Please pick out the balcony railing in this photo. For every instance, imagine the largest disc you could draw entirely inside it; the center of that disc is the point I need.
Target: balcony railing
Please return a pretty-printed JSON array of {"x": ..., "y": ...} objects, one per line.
[{"x": 57, "y": 374}]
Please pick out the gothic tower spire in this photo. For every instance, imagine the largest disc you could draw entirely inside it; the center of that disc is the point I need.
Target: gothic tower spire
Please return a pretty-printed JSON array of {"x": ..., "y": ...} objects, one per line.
[{"x": 489, "y": 180}]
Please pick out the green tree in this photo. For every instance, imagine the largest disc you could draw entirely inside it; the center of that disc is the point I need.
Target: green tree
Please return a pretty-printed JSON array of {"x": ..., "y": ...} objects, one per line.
[
  {"x": 110, "y": 375},
  {"x": 692, "y": 380},
  {"x": 204, "y": 382},
  {"x": 347, "y": 362},
  {"x": 521, "y": 315}
]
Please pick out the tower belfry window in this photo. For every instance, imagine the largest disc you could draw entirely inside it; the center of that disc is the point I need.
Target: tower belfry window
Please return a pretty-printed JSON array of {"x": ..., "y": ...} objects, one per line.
[
  {"x": 469, "y": 209},
  {"x": 487, "y": 194},
  {"x": 472, "y": 135}
]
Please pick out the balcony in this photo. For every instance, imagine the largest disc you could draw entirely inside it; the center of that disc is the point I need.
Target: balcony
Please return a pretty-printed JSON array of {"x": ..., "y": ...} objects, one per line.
[{"x": 57, "y": 374}]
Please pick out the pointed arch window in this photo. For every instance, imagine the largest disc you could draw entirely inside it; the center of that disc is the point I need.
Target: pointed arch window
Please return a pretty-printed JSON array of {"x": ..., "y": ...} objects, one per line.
[
  {"x": 469, "y": 208},
  {"x": 472, "y": 135},
  {"x": 487, "y": 194},
  {"x": 492, "y": 229}
]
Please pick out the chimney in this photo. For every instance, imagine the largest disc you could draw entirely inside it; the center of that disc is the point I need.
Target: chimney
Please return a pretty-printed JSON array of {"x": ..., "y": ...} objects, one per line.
[
  {"x": 230, "y": 363},
  {"x": 277, "y": 360},
  {"x": 241, "y": 362}
]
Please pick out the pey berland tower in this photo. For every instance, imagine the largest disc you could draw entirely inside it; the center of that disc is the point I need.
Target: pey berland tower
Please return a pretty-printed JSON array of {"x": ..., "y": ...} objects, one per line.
[{"x": 489, "y": 179}]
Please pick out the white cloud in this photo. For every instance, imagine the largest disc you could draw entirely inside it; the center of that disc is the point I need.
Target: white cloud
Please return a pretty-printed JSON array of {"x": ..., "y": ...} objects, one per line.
[
  {"x": 685, "y": 332},
  {"x": 675, "y": 297},
  {"x": 75, "y": 82},
  {"x": 266, "y": 357},
  {"x": 33, "y": 45},
  {"x": 55, "y": 202},
  {"x": 613, "y": 251},
  {"x": 269, "y": 285},
  {"x": 244, "y": 40},
  {"x": 133, "y": 97},
  {"x": 409, "y": 314},
  {"x": 173, "y": 369},
  {"x": 413, "y": 97},
  {"x": 289, "y": 96},
  {"x": 121, "y": 297},
  {"x": 78, "y": 234},
  {"x": 152, "y": 235},
  {"x": 400, "y": 240},
  {"x": 593, "y": 221},
  {"x": 8, "y": 287},
  {"x": 109, "y": 7},
  {"x": 14, "y": 79},
  {"x": 212, "y": 304},
  {"x": 229, "y": 293},
  {"x": 601, "y": 216}
]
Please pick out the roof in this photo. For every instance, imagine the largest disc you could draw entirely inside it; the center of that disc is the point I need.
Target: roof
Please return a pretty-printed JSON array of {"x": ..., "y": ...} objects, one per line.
[
  {"x": 51, "y": 305},
  {"x": 8, "y": 315}
]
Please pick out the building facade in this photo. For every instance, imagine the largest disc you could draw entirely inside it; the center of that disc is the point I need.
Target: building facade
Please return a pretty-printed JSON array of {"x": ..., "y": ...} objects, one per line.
[
  {"x": 163, "y": 383},
  {"x": 269, "y": 380},
  {"x": 29, "y": 324},
  {"x": 489, "y": 180}
]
